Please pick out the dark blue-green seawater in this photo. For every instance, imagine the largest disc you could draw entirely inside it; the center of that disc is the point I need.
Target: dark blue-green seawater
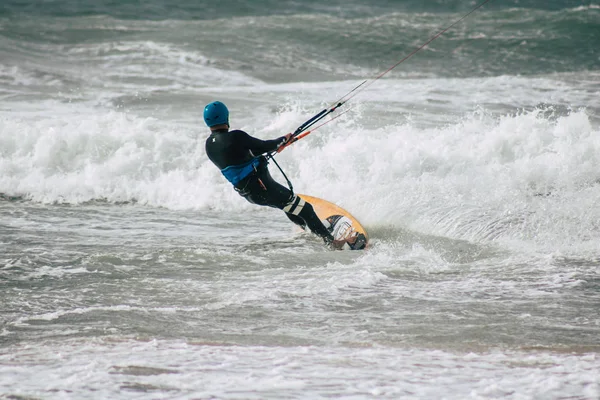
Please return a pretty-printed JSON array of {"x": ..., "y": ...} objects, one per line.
[
  {"x": 202, "y": 10},
  {"x": 321, "y": 39}
]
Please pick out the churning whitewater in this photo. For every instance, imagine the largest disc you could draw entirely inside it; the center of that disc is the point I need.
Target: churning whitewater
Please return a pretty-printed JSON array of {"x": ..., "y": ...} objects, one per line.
[{"x": 129, "y": 267}]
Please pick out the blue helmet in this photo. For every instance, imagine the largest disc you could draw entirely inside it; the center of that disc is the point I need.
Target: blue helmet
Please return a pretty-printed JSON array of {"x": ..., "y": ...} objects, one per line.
[{"x": 216, "y": 113}]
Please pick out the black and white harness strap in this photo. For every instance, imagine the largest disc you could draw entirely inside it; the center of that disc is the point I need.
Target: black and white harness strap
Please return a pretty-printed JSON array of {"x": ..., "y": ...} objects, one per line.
[{"x": 295, "y": 206}]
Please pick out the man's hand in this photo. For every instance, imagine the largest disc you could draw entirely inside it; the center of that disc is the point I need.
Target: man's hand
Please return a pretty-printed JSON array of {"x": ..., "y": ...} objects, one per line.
[{"x": 286, "y": 140}]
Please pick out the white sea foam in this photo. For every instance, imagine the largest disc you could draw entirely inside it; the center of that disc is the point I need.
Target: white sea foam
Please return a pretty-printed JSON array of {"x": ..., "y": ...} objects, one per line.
[
  {"x": 124, "y": 368},
  {"x": 527, "y": 176},
  {"x": 12, "y": 75}
]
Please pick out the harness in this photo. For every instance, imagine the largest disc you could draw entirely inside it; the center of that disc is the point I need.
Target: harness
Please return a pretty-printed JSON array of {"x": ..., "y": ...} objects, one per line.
[{"x": 235, "y": 173}]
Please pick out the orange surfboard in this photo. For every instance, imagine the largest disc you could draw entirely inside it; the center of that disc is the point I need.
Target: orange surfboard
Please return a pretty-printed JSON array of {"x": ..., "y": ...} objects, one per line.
[{"x": 340, "y": 222}]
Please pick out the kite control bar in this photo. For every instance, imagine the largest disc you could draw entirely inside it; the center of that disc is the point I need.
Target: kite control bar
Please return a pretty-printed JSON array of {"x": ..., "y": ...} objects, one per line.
[{"x": 302, "y": 131}]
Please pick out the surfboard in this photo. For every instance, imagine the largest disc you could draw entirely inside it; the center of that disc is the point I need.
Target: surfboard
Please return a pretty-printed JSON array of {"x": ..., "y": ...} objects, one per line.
[{"x": 339, "y": 222}]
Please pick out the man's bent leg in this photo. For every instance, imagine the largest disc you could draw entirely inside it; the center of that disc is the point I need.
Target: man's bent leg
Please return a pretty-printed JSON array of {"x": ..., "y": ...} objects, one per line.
[
  {"x": 298, "y": 211},
  {"x": 300, "y": 208}
]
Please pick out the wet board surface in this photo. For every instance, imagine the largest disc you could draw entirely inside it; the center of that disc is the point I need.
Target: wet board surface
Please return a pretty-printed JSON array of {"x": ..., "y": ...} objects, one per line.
[{"x": 340, "y": 222}]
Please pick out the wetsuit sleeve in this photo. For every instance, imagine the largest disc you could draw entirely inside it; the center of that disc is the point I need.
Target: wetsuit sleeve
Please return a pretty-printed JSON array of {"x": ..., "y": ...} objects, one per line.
[{"x": 257, "y": 146}]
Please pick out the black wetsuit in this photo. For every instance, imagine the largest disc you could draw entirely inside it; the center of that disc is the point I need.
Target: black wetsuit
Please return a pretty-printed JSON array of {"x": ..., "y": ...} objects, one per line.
[{"x": 240, "y": 158}]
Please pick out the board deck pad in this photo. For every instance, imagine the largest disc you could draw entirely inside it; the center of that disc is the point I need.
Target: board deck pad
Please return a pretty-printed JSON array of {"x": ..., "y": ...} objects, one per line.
[{"x": 339, "y": 222}]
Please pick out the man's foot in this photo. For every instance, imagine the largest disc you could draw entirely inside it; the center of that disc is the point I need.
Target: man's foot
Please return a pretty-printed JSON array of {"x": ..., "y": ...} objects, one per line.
[{"x": 338, "y": 244}]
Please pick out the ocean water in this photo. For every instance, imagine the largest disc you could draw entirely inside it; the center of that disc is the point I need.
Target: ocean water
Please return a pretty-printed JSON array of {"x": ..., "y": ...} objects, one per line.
[{"x": 129, "y": 268}]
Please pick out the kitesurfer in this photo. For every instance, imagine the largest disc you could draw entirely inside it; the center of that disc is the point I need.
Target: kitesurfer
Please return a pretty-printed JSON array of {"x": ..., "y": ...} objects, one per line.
[{"x": 240, "y": 157}]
